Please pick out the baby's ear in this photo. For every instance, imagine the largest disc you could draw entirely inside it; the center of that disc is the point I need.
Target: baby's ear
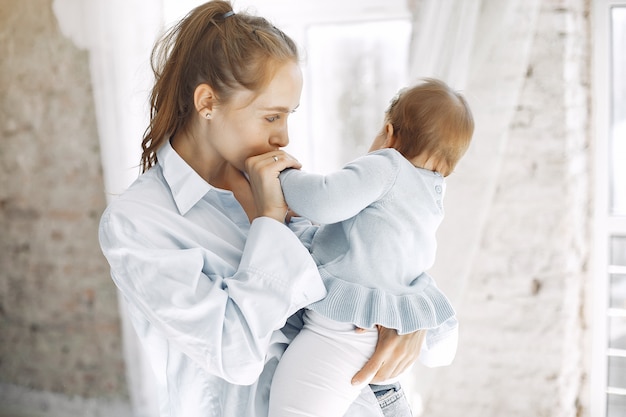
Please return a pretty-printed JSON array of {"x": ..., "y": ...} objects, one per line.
[{"x": 390, "y": 139}]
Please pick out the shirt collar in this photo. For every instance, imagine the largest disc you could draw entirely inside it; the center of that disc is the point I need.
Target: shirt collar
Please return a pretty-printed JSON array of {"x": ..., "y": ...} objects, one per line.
[{"x": 186, "y": 185}]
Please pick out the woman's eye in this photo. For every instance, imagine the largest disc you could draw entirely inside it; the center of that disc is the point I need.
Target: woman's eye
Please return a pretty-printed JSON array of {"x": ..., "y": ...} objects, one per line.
[{"x": 272, "y": 118}]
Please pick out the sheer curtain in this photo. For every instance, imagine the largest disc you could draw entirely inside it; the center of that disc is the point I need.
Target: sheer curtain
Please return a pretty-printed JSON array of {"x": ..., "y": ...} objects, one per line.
[
  {"x": 482, "y": 49},
  {"x": 119, "y": 36}
]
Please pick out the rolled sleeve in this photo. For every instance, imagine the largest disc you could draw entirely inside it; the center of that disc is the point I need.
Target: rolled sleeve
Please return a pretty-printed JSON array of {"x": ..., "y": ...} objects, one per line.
[{"x": 275, "y": 254}]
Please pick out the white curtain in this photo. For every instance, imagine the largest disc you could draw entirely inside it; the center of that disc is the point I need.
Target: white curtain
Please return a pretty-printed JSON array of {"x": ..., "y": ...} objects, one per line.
[
  {"x": 119, "y": 36},
  {"x": 480, "y": 48}
]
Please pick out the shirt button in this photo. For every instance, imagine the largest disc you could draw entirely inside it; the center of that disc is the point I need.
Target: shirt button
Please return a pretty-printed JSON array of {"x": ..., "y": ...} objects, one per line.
[{"x": 438, "y": 189}]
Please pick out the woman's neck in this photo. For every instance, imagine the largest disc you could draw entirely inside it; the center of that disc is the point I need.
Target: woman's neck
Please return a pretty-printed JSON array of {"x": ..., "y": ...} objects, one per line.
[
  {"x": 216, "y": 171},
  {"x": 202, "y": 159}
]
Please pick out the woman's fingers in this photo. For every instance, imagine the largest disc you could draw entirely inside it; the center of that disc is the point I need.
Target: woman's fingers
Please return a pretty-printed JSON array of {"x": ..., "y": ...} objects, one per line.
[
  {"x": 274, "y": 161},
  {"x": 394, "y": 354}
]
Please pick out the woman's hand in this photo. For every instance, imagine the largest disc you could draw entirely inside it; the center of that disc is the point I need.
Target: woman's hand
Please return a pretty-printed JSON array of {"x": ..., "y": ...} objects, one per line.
[
  {"x": 393, "y": 355},
  {"x": 263, "y": 173}
]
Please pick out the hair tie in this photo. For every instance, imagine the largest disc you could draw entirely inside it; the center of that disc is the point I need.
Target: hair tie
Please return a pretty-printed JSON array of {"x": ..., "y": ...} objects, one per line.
[{"x": 227, "y": 14}]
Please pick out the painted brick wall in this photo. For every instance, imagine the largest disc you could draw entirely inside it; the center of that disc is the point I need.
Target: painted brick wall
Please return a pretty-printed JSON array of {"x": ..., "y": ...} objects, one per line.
[{"x": 59, "y": 324}]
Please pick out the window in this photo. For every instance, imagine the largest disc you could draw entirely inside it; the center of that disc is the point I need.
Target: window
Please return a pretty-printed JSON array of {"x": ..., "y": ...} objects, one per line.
[
  {"x": 353, "y": 71},
  {"x": 608, "y": 381},
  {"x": 355, "y": 58}
]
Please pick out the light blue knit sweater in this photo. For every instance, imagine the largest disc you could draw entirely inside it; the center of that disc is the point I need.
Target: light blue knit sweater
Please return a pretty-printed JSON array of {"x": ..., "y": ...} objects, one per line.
[{"x": 378, "y": 217}]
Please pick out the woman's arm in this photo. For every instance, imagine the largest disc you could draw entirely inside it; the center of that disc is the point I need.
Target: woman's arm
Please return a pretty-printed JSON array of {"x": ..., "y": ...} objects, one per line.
[{"x": 221, "y": 306}]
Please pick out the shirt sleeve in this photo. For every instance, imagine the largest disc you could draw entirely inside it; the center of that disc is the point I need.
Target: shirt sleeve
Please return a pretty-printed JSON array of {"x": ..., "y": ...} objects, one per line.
[
  {"x": 224, "y": 323},
  {"x": 339, "y": 195}
]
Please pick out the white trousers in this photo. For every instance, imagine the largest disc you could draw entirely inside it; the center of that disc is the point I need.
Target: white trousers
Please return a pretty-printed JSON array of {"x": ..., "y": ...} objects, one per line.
[{"x": 313, "y": 377}]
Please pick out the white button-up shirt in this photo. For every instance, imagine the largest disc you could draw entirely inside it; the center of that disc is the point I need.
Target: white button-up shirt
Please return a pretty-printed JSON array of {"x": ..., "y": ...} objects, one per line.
[{"x": 208, "y": 291}]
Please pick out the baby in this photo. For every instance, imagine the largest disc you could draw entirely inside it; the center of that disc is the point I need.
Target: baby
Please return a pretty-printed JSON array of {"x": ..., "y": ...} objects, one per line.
[{"x": 378, "y": 215}]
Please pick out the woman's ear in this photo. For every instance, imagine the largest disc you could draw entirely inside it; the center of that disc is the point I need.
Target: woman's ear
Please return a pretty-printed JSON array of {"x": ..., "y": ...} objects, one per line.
[{"x": 203, "y": 99}]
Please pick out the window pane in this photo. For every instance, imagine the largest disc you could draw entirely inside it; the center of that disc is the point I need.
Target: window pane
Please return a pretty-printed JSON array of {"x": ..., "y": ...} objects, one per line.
[
  {"x": 617, "y": 333},
  {"x": 617, "y": 372},
  {"x": 618, "y": 137},
  {"x": 618, "y": 250},
  {"x": 356, "y": 69},
  {"x": 617, "y": 291},
  {"x": 616, "y": 406}
]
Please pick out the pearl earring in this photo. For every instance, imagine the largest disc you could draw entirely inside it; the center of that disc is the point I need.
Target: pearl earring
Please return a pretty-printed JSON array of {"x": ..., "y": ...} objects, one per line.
[{"x": 207, "y": 116}]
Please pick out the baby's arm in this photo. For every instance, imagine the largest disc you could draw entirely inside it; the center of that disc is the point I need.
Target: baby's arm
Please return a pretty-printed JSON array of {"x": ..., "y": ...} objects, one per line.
[
  {"x": 303, "y": 229},
  {"x": 341, "y": 194}
]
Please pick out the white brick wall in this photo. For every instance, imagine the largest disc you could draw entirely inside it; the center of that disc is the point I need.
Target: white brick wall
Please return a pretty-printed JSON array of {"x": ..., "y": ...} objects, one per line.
[{"x": 521, "y": 349}]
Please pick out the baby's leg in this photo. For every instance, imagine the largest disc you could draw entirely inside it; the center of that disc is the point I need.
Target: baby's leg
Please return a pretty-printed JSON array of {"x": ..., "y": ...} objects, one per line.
[{"x": 313, "y": 376}]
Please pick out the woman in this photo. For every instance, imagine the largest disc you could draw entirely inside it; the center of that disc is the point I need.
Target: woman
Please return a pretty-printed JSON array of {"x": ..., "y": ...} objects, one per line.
[{"x": 200, "y": 251}]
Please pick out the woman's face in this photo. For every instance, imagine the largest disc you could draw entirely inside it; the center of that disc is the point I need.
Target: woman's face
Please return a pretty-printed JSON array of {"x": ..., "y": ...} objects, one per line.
[{"x": 248, "y": 125}]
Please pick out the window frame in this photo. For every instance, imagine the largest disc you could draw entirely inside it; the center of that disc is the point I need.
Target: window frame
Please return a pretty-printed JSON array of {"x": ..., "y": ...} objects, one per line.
[{"x": 605, "y": 224}]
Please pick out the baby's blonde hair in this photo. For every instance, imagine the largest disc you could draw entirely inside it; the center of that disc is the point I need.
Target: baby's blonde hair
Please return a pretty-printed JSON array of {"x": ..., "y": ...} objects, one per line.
[{"x": 431, "y": 118}]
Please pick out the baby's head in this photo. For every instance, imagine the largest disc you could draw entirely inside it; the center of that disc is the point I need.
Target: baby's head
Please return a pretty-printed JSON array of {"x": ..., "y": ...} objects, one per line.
[{"x": 430, "y": 124}]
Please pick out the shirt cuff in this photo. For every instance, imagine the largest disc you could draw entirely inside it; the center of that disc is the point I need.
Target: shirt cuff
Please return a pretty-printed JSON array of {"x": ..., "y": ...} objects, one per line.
[{"x": 278, "y": 256}]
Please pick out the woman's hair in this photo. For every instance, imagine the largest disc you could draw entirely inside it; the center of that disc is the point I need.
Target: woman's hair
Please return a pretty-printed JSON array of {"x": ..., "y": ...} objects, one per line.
[
  {"x": 430, "y": 118},
  {"x": 211, "y": 45}
]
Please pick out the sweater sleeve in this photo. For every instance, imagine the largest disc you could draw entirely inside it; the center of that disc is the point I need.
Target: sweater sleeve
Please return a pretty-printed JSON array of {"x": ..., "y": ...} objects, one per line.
[{"x": 342, "y": 194}]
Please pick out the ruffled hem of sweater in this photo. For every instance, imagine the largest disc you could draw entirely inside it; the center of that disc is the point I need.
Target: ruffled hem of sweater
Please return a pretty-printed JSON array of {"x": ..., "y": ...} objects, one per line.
[{"x": 347, "y": 302}]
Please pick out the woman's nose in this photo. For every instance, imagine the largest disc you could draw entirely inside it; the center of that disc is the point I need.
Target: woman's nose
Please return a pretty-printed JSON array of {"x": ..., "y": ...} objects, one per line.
[{"x": 280, "y": 138}]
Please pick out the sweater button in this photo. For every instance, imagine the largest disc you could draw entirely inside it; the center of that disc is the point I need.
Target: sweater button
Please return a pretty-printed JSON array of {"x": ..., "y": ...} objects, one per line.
[{"x": 438, "y": 189}]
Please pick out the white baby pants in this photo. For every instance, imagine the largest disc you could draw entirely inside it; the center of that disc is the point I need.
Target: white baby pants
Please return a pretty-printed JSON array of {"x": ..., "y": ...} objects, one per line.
[{"x": 313, "y": 377}]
